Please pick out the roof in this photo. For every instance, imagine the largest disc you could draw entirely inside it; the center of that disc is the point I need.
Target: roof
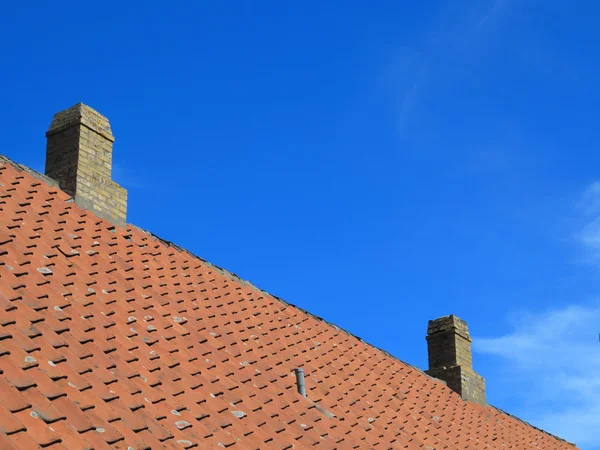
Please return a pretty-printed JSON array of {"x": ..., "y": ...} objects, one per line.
[{"x": 112, "y": 338}]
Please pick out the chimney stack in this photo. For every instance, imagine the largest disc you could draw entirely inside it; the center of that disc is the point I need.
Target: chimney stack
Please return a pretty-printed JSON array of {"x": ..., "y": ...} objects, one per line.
[
  {"x": 79, "y": 158},
  {"x": 450, "y": 359}
]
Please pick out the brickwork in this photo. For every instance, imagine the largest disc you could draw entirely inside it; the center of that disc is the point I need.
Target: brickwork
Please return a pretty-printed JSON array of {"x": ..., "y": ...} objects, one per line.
[
  {"x": 451, "y": 360},
  {"x": 79, "y": 158}
]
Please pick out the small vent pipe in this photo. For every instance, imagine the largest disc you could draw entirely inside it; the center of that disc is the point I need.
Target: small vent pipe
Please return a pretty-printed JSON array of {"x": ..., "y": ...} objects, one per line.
[{"x": 300, "y": 381}]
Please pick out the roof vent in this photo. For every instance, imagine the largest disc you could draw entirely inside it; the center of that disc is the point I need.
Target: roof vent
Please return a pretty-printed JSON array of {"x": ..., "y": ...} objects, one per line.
[
  {"x": 450, "y": 358},
  {"x": 300, "y": 386},
  {"x": 79, "y": 158}
]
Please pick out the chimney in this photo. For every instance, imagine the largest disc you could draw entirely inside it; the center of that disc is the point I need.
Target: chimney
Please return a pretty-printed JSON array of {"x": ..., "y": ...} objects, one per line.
[
  {"x": 450, "y": 359},
  {"x": 79, "y": 158}
]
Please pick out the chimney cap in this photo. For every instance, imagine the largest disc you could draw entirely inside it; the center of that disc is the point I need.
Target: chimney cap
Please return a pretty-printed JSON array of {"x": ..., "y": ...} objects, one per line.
[
  {"x": 80, "y": 114},
  {"x": 447, "y": 323}
]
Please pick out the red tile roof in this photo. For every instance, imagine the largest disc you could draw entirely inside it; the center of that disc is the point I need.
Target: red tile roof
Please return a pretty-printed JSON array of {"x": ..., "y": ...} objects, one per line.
[{"x": 112, "y": 338}]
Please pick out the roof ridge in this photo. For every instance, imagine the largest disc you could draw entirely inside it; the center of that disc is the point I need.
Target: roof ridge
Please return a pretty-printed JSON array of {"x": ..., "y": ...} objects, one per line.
[{"x": 234, "y": 277}]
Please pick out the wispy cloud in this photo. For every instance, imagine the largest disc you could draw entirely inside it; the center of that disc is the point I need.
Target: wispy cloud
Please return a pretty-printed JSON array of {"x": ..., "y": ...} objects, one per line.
[
  {"x": 447, "y": 41},
  {"x": 410, "y": 98},
  {"x": 127, "y": 178},
  {"x": 551, "y": 359},
  {"x": 588, "y": 236},
  {"x": 589, "y": 203},
  {"x": 494, "y": 10}
]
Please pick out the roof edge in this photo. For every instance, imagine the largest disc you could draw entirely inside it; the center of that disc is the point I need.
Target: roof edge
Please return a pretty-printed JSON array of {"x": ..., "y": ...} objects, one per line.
[
  {"x": 34, "y": 173},
  {"x": 240, "y": 280},
  {"x": 500, "y": 410},
  {"x": 49, "y": 181}
]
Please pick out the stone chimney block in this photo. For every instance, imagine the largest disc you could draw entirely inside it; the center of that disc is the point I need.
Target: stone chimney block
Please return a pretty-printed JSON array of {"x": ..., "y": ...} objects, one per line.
[
  {"x": 79, "y": 158},
  {"x": 451, "y": 360}
]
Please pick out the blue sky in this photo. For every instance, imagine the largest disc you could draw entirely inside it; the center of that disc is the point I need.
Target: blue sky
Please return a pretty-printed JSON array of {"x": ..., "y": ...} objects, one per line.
[{"x": 378, "y": 164}]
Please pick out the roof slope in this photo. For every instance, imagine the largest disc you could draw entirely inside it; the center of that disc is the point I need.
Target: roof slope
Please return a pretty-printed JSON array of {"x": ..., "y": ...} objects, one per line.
[{"x": 111, "y": 338}]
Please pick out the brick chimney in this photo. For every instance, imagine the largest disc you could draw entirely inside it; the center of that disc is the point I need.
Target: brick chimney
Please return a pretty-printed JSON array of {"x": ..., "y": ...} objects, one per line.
[
  {"x": 79, "y": 158},
  {"x": 450, "y": 359}
]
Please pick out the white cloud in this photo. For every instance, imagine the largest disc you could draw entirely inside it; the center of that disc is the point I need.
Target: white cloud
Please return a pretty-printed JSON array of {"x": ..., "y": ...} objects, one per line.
[
  {"x": 555, "y": 356},
  {"x": 550, "y": 361}
]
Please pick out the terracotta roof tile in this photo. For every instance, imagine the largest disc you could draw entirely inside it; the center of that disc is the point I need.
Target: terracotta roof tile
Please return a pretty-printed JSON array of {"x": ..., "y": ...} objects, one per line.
[{"x": 112, "y": 338}]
